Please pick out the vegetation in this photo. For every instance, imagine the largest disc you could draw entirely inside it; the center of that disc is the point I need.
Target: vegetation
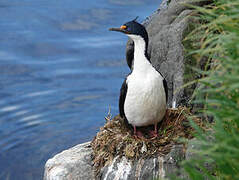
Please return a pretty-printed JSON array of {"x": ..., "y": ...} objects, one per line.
[{"x": 216, "y": 38}]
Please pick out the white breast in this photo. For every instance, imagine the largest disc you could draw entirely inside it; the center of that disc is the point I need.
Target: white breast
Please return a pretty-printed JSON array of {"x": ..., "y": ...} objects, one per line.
[{"x": 145, "y": 102}]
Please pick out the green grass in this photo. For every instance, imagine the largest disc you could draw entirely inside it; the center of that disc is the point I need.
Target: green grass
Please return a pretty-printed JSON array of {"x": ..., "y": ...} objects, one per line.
[{"x": 216, "y": 38}]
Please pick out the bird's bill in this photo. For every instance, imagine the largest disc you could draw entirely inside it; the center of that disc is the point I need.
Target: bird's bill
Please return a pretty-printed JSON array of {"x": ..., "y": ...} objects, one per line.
[{"x": 121, "y": 29}]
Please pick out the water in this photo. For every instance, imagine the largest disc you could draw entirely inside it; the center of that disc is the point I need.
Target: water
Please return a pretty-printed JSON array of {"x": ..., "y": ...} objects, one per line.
[{"x": 60, "y": 71}]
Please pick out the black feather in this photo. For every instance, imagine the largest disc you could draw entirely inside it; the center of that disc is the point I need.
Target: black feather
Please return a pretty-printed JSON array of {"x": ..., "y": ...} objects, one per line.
[
  {"x": 165, "y": 89},
  {"x": 135, "y": 19},
  {"x": 130, "y": 54},
  {"x": 123, "y": 92},
  {"x": 165, "y": 85}
]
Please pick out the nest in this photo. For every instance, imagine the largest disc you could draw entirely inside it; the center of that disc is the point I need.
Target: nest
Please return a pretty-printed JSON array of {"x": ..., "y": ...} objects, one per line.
[{"x": 116, "y": 139}]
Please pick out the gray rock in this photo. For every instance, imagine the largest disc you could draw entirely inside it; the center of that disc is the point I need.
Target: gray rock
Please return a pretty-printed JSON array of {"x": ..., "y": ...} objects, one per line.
[
  {"x": 75, "y": 164},
  {"x": 163, "y": 5},
  {"x": 71, "y": 164},
  {"x": 144, "y": 168}
]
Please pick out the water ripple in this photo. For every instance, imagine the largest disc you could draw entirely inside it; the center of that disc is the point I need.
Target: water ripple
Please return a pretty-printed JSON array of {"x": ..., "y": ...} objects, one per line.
[
  {"x": 9, "y": 108},
  {"x": 40, "y": 93},
  {"x": 30, "y": 118}
]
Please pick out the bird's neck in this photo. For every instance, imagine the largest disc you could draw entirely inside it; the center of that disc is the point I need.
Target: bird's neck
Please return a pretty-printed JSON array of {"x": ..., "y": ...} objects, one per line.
[{"x": 141, "y": 60}]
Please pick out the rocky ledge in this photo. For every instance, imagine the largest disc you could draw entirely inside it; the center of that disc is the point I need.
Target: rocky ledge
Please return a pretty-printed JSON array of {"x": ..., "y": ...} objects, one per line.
[
  {"x": 166, "y": 29},
  {"x": 76, "y": 164}
]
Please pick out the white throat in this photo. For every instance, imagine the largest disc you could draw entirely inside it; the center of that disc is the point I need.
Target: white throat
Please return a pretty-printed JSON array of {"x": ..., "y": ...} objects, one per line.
[{"x": 141, "y": 63}]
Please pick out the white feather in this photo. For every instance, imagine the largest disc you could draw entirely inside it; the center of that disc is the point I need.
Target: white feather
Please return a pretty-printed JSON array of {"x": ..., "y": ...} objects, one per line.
[{"x": 145, "y": 102}]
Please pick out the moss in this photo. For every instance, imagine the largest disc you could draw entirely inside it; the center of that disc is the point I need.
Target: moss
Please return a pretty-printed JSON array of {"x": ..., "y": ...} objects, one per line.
[{"x": 115, "y": 139}]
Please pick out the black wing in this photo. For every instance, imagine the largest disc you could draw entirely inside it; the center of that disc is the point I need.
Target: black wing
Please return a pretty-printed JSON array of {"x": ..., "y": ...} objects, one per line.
[
  {"x": 164, "y": 84},
  {"x": 122, "y": 97},
  {"x": 123, "y": 92},
  {"x": 130, "y": 54},
  {"x": 165, "y": 89}
]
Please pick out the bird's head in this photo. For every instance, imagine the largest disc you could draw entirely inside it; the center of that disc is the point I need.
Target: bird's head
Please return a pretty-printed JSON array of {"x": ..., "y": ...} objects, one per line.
[{"x": 133, "y": 29}]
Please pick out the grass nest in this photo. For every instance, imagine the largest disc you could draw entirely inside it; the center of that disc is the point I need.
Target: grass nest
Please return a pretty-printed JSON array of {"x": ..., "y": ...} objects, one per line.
[{"x": 116, "y": 139}]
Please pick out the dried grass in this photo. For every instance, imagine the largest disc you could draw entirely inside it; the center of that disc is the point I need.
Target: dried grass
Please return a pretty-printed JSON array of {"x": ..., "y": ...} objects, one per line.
[{"x": 115, "y": 139}]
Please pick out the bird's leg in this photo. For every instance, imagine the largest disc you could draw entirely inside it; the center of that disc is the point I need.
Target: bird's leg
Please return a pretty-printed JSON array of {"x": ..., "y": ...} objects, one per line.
[
  {"x": 137, "y": 134},
  {"x": 155, "y": 132},
  {"x": 135, "y": 131},
  {"x": 156, "y": 129}
]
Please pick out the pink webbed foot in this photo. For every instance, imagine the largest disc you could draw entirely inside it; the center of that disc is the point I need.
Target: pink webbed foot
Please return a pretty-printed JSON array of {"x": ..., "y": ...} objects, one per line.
[
  {"x": 137, "y": 134},
  {"x": 154, "y": 133}
]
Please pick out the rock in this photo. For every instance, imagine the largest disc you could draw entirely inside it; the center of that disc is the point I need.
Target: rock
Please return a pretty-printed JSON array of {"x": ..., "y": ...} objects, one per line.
[
  {"x": 71, "y": 164},
  {"x": 75, "y": 164},
  {"x": 163, "y": 5},
  {"x": 144, "y": 168}
]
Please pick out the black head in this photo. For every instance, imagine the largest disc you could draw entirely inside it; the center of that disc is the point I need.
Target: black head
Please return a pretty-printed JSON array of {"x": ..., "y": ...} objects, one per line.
[{"x": 132, "y": 28}]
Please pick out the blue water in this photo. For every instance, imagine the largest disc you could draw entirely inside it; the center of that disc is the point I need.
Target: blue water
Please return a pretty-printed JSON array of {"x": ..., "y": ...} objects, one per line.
[{"x": 60, "y": 72}]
